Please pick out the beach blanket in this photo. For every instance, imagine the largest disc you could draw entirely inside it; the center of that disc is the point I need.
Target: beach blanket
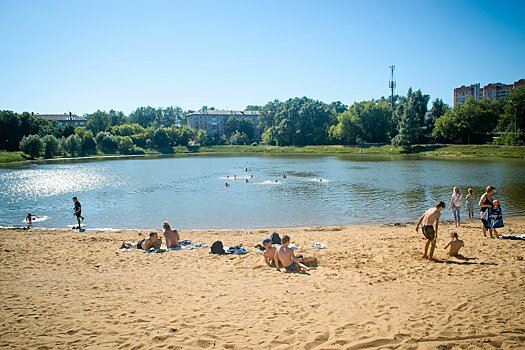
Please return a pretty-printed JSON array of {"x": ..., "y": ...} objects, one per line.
[
  {"x": 514, "y": 236},
  {"x": 187, "y": 245},
  {"x": 238, "y": 250}
]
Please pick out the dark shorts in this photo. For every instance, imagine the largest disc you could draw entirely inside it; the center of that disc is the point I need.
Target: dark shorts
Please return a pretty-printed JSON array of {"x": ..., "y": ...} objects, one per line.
[
  {"x": 139, "y": 244},
  {"x": 291, "y": 267},
  {"x": 428, "y": 232},
  {"x": 78, "y": 214},
  {"x": 485, "y": 223}
]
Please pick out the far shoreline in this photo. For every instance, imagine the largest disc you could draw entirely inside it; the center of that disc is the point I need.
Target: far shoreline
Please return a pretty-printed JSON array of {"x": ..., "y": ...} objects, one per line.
[{"x": 445, "y": 152}]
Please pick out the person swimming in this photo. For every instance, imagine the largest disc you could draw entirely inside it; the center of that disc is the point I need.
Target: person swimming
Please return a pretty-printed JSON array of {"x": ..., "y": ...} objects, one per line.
[
  {"x": 227, "y": 184},
  {"x": 247, "y": 181},
  {"x": 284, "y": 176}
]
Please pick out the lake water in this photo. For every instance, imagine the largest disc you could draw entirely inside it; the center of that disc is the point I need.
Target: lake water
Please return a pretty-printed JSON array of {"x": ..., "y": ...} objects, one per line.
[{"x": 190, "y": 191}]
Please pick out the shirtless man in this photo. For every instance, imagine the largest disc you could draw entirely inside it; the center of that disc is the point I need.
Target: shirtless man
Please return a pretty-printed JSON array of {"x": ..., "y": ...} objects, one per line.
[
  {"x": 455, "y": 245},
  {"x": 171, "y": 236},
  {"x": 427, "y": 220},
  {"x": 286, "y": 256},
  {"x": 145, "y": 244},
  {"x": 269, "y": 252}
]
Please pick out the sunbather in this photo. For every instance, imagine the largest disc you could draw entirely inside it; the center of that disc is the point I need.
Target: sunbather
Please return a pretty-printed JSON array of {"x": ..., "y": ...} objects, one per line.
[
  {"x": 269, "y": 252},
  {"x": 153, "y": 241},
  {"x": 171, "y": 236},
  {"x": 286, "y": 256}
]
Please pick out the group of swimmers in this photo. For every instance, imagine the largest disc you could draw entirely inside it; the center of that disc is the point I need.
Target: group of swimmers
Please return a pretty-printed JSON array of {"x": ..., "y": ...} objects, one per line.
[{"x": 429, "y": 221}]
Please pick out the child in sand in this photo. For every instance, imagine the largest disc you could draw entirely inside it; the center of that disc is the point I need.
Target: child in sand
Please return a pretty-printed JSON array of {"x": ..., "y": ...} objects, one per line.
[
  {"x": 496, "y": 216},
  {"x": 455, "y": 245}
]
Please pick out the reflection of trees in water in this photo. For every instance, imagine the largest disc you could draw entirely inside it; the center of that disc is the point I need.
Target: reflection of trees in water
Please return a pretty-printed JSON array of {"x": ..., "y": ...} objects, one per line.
[{"x": 512, "y": 197}]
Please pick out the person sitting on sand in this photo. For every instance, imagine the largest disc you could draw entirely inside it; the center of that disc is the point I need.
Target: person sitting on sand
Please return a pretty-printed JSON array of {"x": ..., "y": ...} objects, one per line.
[
  {"x": 455, "y": 245},
  {"x": 171, "y": 236},
  {"x": 145, "y": 244},
  {"x": 428, "y": 219},
  {"x": 287, "y": 258},
  {"x": 269, "y": 252}
]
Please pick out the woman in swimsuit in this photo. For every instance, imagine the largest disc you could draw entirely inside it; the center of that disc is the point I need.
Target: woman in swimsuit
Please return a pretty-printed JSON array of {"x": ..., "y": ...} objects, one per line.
[{"x": 485, "y": 203}]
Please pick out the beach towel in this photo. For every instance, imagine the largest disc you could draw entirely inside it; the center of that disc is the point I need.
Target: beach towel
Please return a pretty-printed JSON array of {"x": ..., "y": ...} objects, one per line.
[
  {"x": 154, "y": 251},
  {"x": 187, "y": 245},
  {"x": 319, "y": 245},
  {"x": 496, "y": 217},
  {"x": 238, "y": 250},
  {"x": 514, "y": 236}
]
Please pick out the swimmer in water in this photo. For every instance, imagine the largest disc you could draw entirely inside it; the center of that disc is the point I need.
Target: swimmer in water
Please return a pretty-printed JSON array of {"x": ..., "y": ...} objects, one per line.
[
  {"x": 246, "y": 169},
  {"x": 227, "y": 184},
  {"x": 276, "y": 181},
  {"x": 251, "y": 176},
  {"x": 320, "y": 180},
  {"x": 29, "y": 219},
  {"x": 284, "y": 176},
  {"x": 235, "y": 177},
  {"x": 247, "y": 181}
]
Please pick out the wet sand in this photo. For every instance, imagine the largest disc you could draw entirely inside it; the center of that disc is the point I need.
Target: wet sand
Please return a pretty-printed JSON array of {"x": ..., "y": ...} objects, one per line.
[{"x": 372, "y": 290}]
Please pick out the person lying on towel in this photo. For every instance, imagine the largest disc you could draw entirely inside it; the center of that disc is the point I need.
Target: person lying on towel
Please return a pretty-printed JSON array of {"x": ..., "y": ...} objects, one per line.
[{"x": 153, "y": 241}]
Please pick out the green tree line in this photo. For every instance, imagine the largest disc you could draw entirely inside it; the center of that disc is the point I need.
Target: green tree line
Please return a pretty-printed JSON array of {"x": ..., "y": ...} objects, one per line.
[{"x": 403, "y": 121}]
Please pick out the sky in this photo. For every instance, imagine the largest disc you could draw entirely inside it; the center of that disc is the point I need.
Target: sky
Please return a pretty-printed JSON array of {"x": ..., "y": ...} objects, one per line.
[{"x": 81, "y": 56}]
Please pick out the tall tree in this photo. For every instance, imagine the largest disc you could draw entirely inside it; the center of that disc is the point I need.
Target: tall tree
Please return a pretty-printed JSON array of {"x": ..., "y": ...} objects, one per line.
[{"x": 411, "y": 123}]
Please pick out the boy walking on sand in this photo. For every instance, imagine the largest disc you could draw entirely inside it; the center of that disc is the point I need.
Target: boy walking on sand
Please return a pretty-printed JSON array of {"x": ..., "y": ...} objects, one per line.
[{"x": 427, "y": 221}]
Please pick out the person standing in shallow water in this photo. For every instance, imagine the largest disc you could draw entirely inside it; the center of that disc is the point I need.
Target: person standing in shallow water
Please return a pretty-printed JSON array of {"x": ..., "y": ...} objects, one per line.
[{"x": 78, "y": 211}]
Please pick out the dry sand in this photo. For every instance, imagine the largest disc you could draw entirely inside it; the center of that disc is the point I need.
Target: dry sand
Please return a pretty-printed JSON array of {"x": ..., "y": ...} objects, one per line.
[{"x": 74, "y": 291}]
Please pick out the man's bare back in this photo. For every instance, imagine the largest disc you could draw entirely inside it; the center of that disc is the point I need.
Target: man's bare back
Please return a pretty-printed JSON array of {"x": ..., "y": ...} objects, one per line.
[{"x": 431, "y": 216}]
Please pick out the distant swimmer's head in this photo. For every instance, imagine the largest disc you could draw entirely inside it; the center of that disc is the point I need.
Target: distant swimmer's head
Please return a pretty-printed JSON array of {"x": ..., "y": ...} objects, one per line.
[
  {"x": 490, "y": 189},
  {"x": 166, "y": 225},
  {"x": 267, "y": 243},
  {"x": 286, "y": 240},
  {"x": 496, "y": 202},
  {"x": 440, "y": 205}
]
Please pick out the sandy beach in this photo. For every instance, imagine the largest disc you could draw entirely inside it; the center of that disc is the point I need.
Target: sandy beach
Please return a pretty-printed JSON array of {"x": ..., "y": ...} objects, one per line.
[{"x": 70, "y": 290}]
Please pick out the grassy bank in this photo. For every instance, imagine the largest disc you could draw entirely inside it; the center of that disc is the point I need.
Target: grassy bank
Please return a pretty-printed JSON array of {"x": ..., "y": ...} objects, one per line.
[
  {"x": 10, "y": 157},
  {"x": 442, "y": 151},
  {"x": 431, "y": 151}
]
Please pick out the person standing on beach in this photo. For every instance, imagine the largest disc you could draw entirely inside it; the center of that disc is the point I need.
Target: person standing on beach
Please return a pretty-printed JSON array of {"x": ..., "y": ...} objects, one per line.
[
  {"x": 485, "y": 203},
  {"x": 470, "y": 203},
  {"x": 455, "y": 204},
  {"x": 427, "y": 221},
  {"x": 78, "y": 211}
]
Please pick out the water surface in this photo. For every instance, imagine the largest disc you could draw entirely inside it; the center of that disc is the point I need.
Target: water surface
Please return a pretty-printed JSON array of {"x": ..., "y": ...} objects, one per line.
[{"x": 191, "y": 192}]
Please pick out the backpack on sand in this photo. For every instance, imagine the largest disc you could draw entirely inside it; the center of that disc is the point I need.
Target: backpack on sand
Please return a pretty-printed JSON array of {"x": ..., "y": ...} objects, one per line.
[
  {"x": 217, "y": 248},
  {"x": 276, "y": 239}
]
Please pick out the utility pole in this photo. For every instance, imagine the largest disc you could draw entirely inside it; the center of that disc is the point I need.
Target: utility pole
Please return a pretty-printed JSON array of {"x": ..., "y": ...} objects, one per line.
[{"x": 392, "y": 85}]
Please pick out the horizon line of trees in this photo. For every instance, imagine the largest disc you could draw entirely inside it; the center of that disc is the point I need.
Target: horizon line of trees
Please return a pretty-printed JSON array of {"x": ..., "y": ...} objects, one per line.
[{"x": 404, "y": 121}]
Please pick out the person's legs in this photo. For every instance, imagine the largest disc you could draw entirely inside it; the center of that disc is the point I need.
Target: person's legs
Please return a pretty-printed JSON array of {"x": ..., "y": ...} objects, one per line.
[
  {"x": 458, "y": 210},
  {"x": 490, "y": 231},
  {"x": 426, "y": 249},
  {"x": 484, "y": 229},
  {"x": 78, "y": 220},
  {"x": 432, "y": 247}
]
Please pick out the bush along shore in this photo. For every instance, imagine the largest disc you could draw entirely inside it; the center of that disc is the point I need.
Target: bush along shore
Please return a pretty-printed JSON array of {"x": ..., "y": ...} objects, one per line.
[{"x": 430, "y": 151}]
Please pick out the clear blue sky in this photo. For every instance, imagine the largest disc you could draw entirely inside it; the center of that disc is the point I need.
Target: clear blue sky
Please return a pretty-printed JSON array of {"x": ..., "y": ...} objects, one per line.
[{"x": 82, "y": 56}]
